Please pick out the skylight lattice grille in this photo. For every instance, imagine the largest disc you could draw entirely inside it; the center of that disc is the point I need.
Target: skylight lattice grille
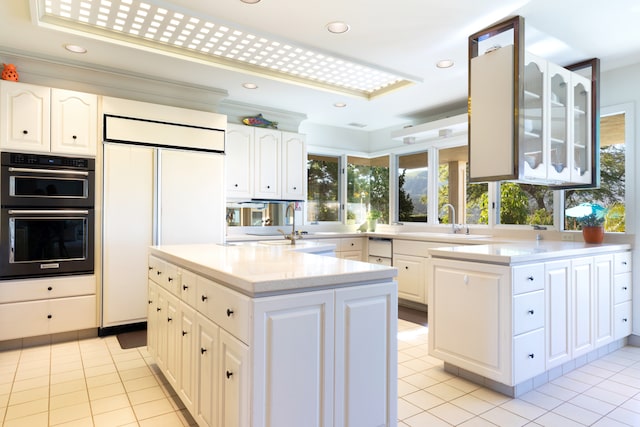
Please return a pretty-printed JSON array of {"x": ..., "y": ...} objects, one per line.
[{"x": 156, "y": 24}]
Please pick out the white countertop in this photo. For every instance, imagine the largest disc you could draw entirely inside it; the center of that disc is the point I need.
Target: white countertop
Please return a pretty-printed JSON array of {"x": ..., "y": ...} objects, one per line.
[
  {"x": 260, "y": 270},
  {"x": 524, "y": 252}
]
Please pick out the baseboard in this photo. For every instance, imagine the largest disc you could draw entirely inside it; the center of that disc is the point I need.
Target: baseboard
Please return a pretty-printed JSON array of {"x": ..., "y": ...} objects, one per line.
[{"x": 119, "y": 329}]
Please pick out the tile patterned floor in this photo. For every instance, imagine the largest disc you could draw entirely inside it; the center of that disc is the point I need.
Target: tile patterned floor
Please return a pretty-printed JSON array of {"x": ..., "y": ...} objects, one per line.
[{"x": 93, "y": 382}]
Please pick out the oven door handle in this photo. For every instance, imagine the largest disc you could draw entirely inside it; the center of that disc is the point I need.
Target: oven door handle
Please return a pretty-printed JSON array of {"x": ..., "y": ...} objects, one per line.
[
  {"x": 47, "y": 212},
  {"x": 50, "y": 171}
]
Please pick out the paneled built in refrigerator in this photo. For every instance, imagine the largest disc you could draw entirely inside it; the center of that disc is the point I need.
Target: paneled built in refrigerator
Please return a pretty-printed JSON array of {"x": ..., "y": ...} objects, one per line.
[{"x": 163, "y": 184}]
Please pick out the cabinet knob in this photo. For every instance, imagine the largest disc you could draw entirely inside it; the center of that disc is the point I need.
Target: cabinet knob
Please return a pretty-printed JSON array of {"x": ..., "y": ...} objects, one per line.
[
  {"x": 530, "y": 312},
  {"x": 624, "y": 262},
  {"x": 184, "y": 333},
  {"x": 50, "y": 288},
  {"x": 185, "y": 287},
  {"x": 531, "y": 356},
  {"x": 170, "y": 279},
  {"x": 295, "y": 188},
  {"x": 229, "y": 312},
  {"x": 235, "y": 185},
  {"x": 268, "y": 187},
  {"x": 158, "y": 309},
  {"x": 530, "y": 278},
  {"x": 74, "y": 137},
  {"x": 624, "y": 288},
  {"x": 406, "y": 267},
  {"x": 203, "y": 350},
  {"x": 158, "y": 272},
  {"x": 169, "y": 319},
  {"x": 150, "y": 302},
  {"x": 204, "y": 298},
  {"x": 229, "y": 374},
  {"x": 624, "y": 319},
  {"x": 25, "y": 132},
  {"x": 49, "y": 316},
  {"x": 150, "y": 268}
]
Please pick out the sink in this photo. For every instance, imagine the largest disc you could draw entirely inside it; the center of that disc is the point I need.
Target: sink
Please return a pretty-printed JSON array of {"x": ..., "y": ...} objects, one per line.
[{"x": 275, "y": 242}]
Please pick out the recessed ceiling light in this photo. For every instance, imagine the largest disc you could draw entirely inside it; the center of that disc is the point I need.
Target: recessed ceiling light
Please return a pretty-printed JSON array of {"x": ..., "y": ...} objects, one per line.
[
  {"x": 250, "y": 1},
  {"x": 338, "y": 27},
  {"x": 340, "y": 104},
  {"x": 445, "y": 63},
  {"x": 75, "y": 48},
  {"x": 249, "y": 85}
]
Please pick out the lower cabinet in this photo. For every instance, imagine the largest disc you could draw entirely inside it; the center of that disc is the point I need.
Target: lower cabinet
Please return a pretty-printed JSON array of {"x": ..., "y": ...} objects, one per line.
[
  {"x": 318, "y": 358},
  {"x": 512, "y": 323}
]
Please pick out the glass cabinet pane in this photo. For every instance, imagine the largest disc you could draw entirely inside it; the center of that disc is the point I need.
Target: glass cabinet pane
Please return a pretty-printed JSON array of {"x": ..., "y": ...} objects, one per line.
[
  {"x": 580, "y": 129},
  {"x": 559, "y": 102},
  {"x": 533, "y": 114}
]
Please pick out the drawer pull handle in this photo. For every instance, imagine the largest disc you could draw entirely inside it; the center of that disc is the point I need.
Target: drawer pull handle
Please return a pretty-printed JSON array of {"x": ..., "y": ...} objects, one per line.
[
  {"x": 531, "y": 356},
  {"x": 353, "y": 244},
  {"x": 158, "y": 272},
  {"x": 25, "y": 132},
  {"x": 203, "y": 350},
  {"x": 530, "y": 278},
  {"x": 169, "y": 319},
  {"x": 49, "y": 316},
  {"x": 74, "y": 137},
  {"x": 204, "y": 298},
  {"x": 406, "y": 267},
  {"x": 235, "y": 185},
  {"x": 170, "y": 279},
  {"x": 229, "y": 374},
  {"x": 624, "y": 319},
  {"x": 51, "y": 288},
  {"x": 530, "y": 312},
  {"x": 624, "y": 262},
  {"x": 184, "y": 333},
  {"x": 150, "y": 268},
  {"x": 185, "y": 287},
  {"x": 624, "y": 288},
  {"x": 229, "y": 312},
  {"x": 150, "y": 302},
  {"x": 158, "y": 309}
]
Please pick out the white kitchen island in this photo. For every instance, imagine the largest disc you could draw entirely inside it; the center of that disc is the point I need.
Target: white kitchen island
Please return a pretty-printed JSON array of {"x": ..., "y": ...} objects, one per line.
[
  {"x": 268, "y": 335},
  {"x": 515, "y": 316}
]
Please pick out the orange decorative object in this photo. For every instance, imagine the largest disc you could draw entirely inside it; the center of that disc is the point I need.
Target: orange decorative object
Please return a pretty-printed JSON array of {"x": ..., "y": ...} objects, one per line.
[
  {"x": 593, "y": 234},
  {"x": 9, "y": 72}
]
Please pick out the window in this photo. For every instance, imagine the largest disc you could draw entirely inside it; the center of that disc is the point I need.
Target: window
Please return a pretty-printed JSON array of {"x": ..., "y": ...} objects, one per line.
[
  {"x": 412, "y": 187},
  {"x": 611, "y": 193},
  {"x": 323, "y": 188},
  {"x": 367, "y": 189},
  {"x": 524, "y": 204}
]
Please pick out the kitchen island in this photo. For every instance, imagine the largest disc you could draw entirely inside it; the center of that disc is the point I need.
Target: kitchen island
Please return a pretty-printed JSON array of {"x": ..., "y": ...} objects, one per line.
[
  {"x": 515, "y": 316},
  {"x": 269, "y": 335}
]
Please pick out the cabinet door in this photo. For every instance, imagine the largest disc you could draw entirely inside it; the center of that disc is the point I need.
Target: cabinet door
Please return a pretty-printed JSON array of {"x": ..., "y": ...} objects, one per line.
[
  {"x": 187, "y": 378},
  {"x": 294, "y": 162},
  {"x": 582, "y": 288},
  {"x": 24, "y": 319},
  {"x": 152, "y": 319},
  {"x": 127, "y": 234},
  {"x": 173, "y": 331},
  {"x": 292, "y": 364},
  {"x": 581, "y": 164},
  {"x": 558, "y": 119},
  {"x": 411, "y": 278},
  {"x": 25, "y": 117},
  {"x": 558, "y": 311},
  {"x": 532, "y": 146},
  {"x": 604, "y": 291},
  {"x": 191, "y": 197},
  {"x": 268, "y": 166},
  {"x": 239, "y": 161},
  {"x": 366, "y": 356},
  {"x": 74, "y": 122},
  {"x": 161, "y": 321},
  {"x": 207, "y": 372},
  {"x": 234, "y": 382}
]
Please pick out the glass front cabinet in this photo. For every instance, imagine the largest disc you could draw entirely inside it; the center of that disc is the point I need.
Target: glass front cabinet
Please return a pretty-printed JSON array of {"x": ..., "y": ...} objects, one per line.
[{"x": 538, "y": 127}]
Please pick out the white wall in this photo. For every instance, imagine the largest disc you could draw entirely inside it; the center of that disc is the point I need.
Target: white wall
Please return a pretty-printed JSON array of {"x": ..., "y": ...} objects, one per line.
[
  {"x": 622, "y": 86},
  {"x": 335, "y": 138}
]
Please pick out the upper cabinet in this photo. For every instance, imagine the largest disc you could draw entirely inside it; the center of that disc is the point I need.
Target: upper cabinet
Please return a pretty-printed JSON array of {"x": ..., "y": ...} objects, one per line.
[
  {"x": 40, "y": 119},
  {"x": 265, "y": 164},
  {"x": 530, "y": 120}
]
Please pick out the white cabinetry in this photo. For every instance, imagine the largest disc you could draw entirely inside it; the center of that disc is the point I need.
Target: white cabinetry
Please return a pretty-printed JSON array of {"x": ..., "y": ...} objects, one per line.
[
  {"x": 296, "y": 359},
  {"x": 347, "y": 247},
  {"x": 622, "y": 295},
  {"x": 380, "y": 251},
  {"x": 32, "y": 307},
  {"x": 40, "y": 119},
  {"x": 265, "y": 164}
]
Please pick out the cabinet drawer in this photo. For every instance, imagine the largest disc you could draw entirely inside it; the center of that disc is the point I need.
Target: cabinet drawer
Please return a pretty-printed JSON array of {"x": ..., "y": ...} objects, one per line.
[
  {"x": 156, "y": 268},
  {"x": 621, "y": 288},
  {"x": 46, "y": 288},
  {"x": 528, "y": 278},
  {"x": 225, "y": 307},
  {"x": 380, "y": 247},
  {"x": 622, "y": 320},
  {"x": 170, "y": 279},
  {"x": 380, "y": 260},
  {"x": 528, "y": 355},
  {"x": 351, "y": 244},
  {"x": 188, "y": 287},
  {"x": 528, "y": 312},
  {"x": 621, "y": 262}
]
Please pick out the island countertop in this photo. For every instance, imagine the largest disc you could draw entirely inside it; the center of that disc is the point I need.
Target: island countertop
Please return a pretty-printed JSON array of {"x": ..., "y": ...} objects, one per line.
[
  {"x": 256, "y": 270},
  {"x": 524, "y": 252}
]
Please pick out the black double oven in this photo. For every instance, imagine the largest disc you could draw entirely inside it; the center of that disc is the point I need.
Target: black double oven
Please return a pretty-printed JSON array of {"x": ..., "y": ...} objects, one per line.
[{"x": 47, "y": 215}]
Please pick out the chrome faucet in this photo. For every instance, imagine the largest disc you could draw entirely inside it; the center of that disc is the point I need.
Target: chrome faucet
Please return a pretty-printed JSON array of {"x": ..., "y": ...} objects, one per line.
[
  {"x": 293, "y": 236},
  {"x": 454, "y": 227}
]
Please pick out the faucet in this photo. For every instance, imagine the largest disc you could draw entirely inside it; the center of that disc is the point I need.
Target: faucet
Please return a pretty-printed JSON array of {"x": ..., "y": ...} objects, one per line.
[
  {"x": 454, "y": 227},
  {"x": 293, "y": 236}
]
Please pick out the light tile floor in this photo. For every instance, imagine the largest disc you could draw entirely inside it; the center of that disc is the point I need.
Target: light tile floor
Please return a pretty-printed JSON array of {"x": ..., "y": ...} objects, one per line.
[{"x": 93, "y": 382}]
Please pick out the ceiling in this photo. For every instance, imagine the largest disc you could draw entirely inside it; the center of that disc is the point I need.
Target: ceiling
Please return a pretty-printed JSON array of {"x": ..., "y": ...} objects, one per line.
[{"x": 407, "y": 36}]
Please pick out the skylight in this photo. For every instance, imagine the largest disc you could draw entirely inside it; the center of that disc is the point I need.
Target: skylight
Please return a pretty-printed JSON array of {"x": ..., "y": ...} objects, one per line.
[{"x": 144, "y": 23}]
